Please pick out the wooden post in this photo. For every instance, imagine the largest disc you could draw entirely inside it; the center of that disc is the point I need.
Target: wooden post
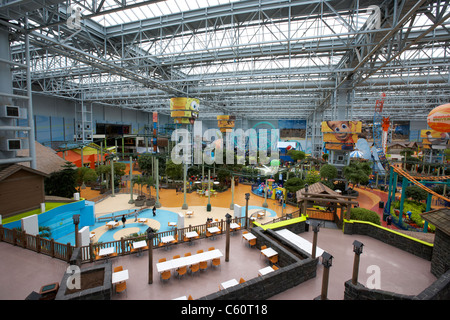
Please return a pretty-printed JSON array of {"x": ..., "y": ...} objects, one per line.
[
  {"x": 38, "y": 243},
  {"x": 313, "y": 253},
  {"x": 52, "y": 247},
  {"x": 150, "y": 261},
  {"x": 91, "y": 252},
  {"x": 122, "y": 245},
  {"x": 68, "y": 250},
  {"x": 324, "y": 293},
  {"x": 355, "y": 269}
]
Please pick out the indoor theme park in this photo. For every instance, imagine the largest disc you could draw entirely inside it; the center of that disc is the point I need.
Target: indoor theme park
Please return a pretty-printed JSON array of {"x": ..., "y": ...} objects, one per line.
[{"x": 225, "y": 150}]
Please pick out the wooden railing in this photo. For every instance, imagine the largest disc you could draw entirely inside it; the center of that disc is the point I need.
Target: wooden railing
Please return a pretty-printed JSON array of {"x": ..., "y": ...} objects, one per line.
[
  {"x": 124, "y": 246},
  {"x": 88, "y": 253},
  {"x": 320, "y": 214},
  {"x": 36, "y": 243}
]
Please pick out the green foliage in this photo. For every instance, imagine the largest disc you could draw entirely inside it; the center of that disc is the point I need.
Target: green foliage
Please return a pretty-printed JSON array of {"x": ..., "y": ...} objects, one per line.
[
  {"x": 416, "y": 193},
  {"x": 312, "y": 177},
  {"x": 328, "y": 183},
  {"x": 363, "y": 214},
  {"x": 84, "y": 175},
  {"x": 357, "y": 172},
  {"x": 294, "y": 184},
  {"x": 416, "y": 208},
  {"x": 174, "y": 171},
  {"x": 296, "y": 155},
  {"x": 145, "y": 164},
  {"x": 328, "y": 172},
  {"x": 62, "y": 183},
  {"x": 223, "y": 175}
]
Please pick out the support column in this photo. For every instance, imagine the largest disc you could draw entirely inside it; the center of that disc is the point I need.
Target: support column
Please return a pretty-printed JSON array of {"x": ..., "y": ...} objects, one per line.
[
  {"x": 184, "y": 206},
  {"x": 158, "y": 204}
]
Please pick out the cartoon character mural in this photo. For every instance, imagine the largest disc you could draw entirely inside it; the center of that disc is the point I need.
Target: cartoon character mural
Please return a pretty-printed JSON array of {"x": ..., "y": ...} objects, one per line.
[
  {"x": 184, "y": 110},
  {"x": 341, "y": 135},
  {"x": 432, "y": 137}
]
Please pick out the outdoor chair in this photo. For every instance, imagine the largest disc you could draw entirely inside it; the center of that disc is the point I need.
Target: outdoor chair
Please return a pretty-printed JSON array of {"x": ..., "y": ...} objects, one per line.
[
  {"x": 121, "y": 287},
  {"x": 203, "y": 265},
  {"x": 194, "y": 268},
  {"x": 165, "y": 275}
]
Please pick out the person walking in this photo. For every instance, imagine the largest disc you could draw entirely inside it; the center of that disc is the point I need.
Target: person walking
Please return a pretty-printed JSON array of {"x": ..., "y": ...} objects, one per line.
[
  {"x": 154, "y": 210},
  {"x": 135, "y": 215},
  {"x": 389, "y": 221},
  {"x": 124, "y": 220}
]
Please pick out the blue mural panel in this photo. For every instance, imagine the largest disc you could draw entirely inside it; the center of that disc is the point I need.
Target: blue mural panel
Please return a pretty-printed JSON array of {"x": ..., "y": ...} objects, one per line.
[
  {"x": 42, "y": 124},
  {"x": 57, "y": 128}
]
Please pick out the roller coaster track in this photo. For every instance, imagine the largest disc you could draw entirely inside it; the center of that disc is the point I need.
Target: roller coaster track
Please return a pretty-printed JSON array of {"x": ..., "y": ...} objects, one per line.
[
  {"x": 431, "y": 178},
  {"x": 420, "y": 185}
]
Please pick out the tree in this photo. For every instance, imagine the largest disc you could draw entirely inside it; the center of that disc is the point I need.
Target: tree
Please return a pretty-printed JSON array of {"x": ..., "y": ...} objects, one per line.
[
  {"x": 329, "y": 172},
  {"x": 84, "y": 175},
  {"x": 174, "y": 171},
  {"x": 294, "y": 184},
  {"x": 296, "y": 155},
  {"x": 312, "y": 177},
  {"x": 62, "y": 183},
  {"x": 357, "y": 172},
  {"x": 139, "y": 180},
  {"x": 145, "y": 164},
  {"x": 416, "y": 193}
]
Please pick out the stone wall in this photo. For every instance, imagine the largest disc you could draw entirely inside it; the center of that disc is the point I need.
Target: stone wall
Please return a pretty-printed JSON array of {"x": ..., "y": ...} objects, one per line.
[
  {"x": 440, "y": 262},
  {"x": 390, "y": 237},
  {"x": 439, "y": 290}
]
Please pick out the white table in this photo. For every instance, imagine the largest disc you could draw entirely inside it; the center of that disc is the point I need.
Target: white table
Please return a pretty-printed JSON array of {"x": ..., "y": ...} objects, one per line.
[
  {"x": 299, "y": 241},
  {"x": 189, "y": 260},
  {"x": 167, "y": 239},
  {"x": 269, "y": 252},
  {"x": 189, "y": 213},
  {"x": 248, "y": 236},
  {"x": 139, "y": 245},
  {"x": 265, "y": 271},
  {"x": 213, "y": 231},
  {"x": 191, "y": 234},
  {"x": 229, "y": 283},
  {"x": 142, "y": 220},
  {"x": 172, "y": 224},
  {"x": 234, "y": 225},
  {"x": 112, "y": 224},
  {"x": 119, "y": 276},
  {"x": 106, "y": 251},
  {"x": 181, "y": 298}
]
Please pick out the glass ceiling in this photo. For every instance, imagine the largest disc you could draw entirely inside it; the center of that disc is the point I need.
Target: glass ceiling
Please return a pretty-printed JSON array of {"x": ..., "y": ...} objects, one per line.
[{"x": 153, "y": 10}]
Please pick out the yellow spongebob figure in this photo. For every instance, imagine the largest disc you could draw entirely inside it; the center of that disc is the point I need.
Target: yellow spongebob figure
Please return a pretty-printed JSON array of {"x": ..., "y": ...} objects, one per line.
[{"x": 184, "y": 110}]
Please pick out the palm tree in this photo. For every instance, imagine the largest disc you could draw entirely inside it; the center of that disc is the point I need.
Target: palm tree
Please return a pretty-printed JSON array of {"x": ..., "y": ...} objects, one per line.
[
  {"x": 139, "y": 180},
  {"x": 149, "y": 182}
]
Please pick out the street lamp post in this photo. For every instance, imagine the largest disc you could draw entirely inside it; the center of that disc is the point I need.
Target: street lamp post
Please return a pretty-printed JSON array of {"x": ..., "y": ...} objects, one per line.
[
  {"x": 150, "y": 234},
  {"x": 327, "y": 261},
  {"x": 247, "y": 197},
  {"x": 76, "y": 222},
  {"x": 357, "y": 249},
  {"x": 227, "y": 246},
  {"x": 316, "y": 226}
]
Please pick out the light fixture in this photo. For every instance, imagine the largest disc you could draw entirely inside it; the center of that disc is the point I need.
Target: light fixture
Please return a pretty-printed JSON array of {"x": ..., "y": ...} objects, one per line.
[
  {"x": 76, "y": 219},
  {"x": 327, "y": 259},
  {"x": 357, "y": 247}
]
